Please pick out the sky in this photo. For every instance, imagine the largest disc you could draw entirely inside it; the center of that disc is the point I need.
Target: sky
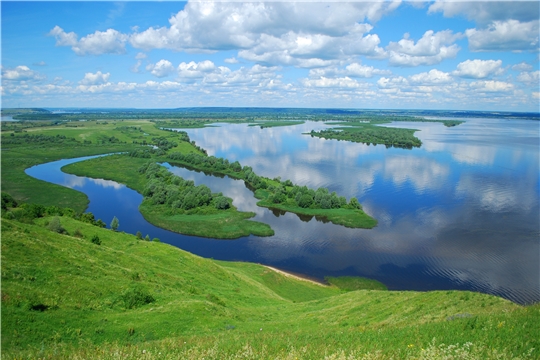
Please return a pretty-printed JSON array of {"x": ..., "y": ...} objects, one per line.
[{"x": 448, "y": 55}]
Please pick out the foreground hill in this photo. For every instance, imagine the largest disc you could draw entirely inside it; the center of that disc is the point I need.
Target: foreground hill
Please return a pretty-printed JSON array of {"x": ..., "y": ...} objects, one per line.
[{"x": 65, "y": 296}]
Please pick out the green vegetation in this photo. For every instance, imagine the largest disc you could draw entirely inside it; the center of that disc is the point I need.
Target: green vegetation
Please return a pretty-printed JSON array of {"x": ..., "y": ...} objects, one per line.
[
  {"x": 370, "y": 134},
  {"x": 284, "y": 196},
  {"x": 33, "y": 143},
  {"x": 171, "y": 202},
  {"x": 63, "y": 297},
  {"x": 352, "y": 283}
]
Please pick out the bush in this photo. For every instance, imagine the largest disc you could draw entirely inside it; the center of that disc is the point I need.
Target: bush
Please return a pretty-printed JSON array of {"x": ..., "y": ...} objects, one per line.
[
  {"x": 55, "y": 226},
  {"x": 96, "y": 240},
  {"x": 8, "y": 201},
  {"x": 139, "y": 235},
  {"x": 135, "y": 297}
]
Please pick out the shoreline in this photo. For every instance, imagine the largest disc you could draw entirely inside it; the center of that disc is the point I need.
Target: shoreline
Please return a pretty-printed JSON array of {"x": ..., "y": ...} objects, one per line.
[{"x": 287, "y": 274}]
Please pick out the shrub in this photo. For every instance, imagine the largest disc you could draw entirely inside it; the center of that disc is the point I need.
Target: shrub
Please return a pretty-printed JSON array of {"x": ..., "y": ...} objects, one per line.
[
  {"x": 139, "y": 235},
  {"x": 135, "y": 297},
  {"x": 96, "y": 240},
  {"x": 55, "y": 226}
]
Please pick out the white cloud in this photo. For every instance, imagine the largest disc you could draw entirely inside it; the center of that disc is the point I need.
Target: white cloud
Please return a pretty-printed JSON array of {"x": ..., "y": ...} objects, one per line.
[
  {"x": 492, "y": 86},
  {"x": 433, "y": 77},
  {"x": 232, "y": 60},
  {"x": 140, "y": 56},
  {"x": 63, "y": 38},
  {"x": 522, "y": 66},
  {"x": 323, "y": 82},
  {"x": 98, "y": 43},
  {"x": 194, "y": 70},
  {"x": 21, "y": 73},
  {"x": 161, "y": 69},
  {"x": 351, "y": 70},
  {"x": 478, "y": 69},
  {"x": 95, "y": 79},
  {"x": 531, "y": 77},
  {"x": 485, "y": 12},
  {"x": 504, "y": 36},
  {"x": 431, "y": 49}
]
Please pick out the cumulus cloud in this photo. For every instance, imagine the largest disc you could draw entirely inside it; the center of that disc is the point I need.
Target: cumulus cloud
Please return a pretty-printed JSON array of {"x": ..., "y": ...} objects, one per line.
[
  {"x": 98, "y": 43},
  {"x": 522, "y": 66},
  {"x": 21, "y": 73},
  {"x": 161, "y": 69},
  {"x": 433, "y": 77},
  {"x": 232, "y": 60},
  {"x": 484, "y": 12},
  {"x": 351, "y": 70},
  {"x": 505, "y": 35},
  {"x": 63, "y": 38},
  {"x": 432, "y": 48},
  {"x": 340, "y": 82},
  {"x": 95, "y": 79},
  {"x": 492, "y": 86},
  {"x": 478, "y": 69},
  {"x": 530, "y": 77}
]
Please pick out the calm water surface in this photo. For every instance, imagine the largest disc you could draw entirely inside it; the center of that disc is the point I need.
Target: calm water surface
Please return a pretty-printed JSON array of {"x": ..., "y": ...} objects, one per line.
[{"x": 461, "y": 212}]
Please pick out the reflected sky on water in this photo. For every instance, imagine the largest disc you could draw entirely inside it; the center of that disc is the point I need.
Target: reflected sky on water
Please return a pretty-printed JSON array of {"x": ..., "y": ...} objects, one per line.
[{"x": 461, "y": 212}]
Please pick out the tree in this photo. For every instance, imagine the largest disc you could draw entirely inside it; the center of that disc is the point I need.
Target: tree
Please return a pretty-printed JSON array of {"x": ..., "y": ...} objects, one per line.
[
  {"x": 222, "y": 203},
  {"x": 147, "y": 237},
  {"x": 138, "y": 235},
  {"x": 354, "y": 203},
  {"x": 55, "y": 226},
  {"x": 115, "y": 223}
]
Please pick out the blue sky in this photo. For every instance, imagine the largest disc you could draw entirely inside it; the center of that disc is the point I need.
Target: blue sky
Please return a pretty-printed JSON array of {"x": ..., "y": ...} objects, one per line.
[{"x": 480, "y": 55}]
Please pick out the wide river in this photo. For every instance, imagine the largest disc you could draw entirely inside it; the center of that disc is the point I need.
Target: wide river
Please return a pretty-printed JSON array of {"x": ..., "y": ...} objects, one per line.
[{"x": 461, "y": 212}]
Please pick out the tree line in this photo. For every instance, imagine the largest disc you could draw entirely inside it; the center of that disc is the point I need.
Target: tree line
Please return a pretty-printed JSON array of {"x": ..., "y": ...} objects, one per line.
[{"x": 277, "y": 192}]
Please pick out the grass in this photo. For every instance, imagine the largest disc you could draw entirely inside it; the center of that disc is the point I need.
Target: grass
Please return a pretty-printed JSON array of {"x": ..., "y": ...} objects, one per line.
[
  {"x": 222, "y": 224},
  {"x": 18, "y": 157},
  {"x": 63, "y": 297},
  {"x": 352, "y": 283}
]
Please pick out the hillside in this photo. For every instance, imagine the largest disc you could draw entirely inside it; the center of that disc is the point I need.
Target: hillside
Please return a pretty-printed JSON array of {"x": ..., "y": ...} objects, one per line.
[{"x": 66, "y": 297}]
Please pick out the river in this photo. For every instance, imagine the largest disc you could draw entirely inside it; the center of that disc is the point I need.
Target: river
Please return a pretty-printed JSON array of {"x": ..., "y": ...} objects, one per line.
[{"x": 461, "y": 212}]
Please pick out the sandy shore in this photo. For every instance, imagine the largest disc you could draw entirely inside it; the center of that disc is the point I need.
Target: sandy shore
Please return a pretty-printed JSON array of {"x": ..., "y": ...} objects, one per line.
[{"x": 295, "y": 276}]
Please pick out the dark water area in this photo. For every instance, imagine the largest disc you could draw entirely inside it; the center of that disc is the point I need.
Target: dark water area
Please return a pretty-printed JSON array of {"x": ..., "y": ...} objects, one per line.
[{"x": 461, "y": 212}]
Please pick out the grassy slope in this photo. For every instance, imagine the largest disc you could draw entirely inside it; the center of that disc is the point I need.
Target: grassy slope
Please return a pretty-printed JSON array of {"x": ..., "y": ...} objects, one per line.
[
  {"x": 216, "y": 310},
  {"x": 224, "y": 224}
]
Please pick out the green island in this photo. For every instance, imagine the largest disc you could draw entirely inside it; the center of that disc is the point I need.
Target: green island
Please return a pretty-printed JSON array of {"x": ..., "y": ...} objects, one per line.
[
  {"x": 283, "y": 195},
  {"x": 268, "y": 124},
  {"x": 170, "y": 202},
  {"x": 73, "y": 289},
  {"x": 365, "y": 130}
]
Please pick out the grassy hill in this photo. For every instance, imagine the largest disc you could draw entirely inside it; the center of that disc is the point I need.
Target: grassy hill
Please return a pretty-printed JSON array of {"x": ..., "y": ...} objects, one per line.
[{"x": 66, "y": 297}]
